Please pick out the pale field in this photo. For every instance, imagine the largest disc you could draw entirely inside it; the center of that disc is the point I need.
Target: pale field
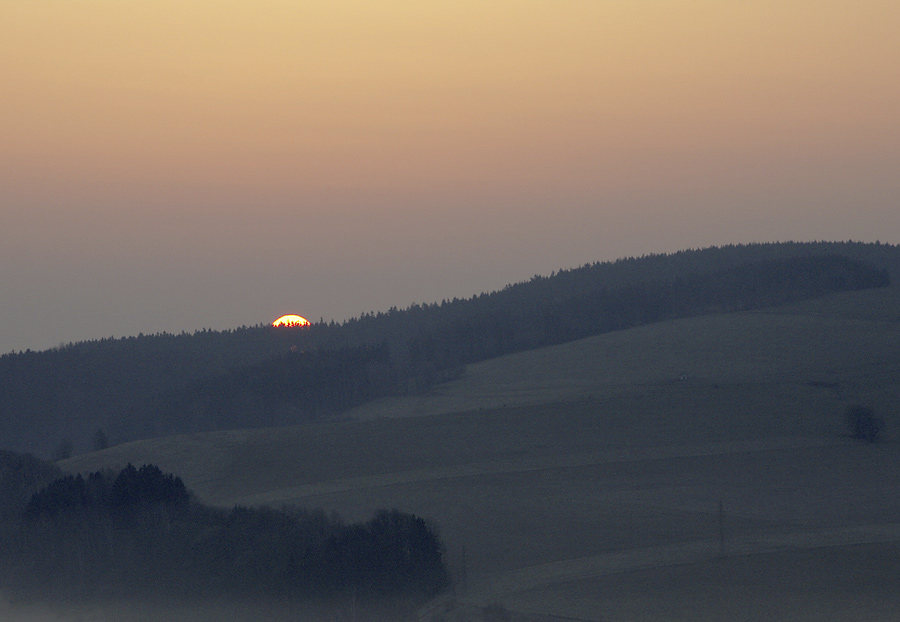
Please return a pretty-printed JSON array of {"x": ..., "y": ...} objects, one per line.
[
  {"x": 586, "y": 480},
  {"x": 823, "y": 584}
]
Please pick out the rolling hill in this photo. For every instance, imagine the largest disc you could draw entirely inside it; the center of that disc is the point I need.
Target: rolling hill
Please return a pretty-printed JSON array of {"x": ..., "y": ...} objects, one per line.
[
  {"x": 75, "y": 396},
  {"x": 688, "y": 469}
]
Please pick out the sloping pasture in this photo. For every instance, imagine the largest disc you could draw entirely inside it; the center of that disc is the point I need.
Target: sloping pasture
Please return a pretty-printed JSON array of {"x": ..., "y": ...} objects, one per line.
[{"x": 663, "y": 472}]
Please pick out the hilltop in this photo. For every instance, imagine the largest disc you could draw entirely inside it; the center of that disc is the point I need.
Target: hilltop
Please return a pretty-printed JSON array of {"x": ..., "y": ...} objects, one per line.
[{"x": 85, "y": 395}]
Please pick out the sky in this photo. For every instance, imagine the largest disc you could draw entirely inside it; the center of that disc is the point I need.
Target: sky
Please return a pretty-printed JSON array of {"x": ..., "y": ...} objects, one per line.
[{"x": 170, "y": 166}]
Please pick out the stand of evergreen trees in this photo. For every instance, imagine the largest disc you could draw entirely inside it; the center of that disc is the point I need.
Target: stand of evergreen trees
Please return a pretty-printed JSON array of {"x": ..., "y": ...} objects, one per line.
[
  {"x": 151, "y": 386},
  {"x": 21, "y": 475},
  {"x": 138, "y": 534}
]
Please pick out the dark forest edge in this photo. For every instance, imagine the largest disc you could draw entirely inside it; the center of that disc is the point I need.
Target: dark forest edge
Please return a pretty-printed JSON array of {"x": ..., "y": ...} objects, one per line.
[
  {"x": 161, "y": 385},
  {"x": 139, "y": 534}
]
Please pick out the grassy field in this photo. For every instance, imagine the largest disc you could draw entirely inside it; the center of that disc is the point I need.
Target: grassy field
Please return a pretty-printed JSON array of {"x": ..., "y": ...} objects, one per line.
[
  {"x": 665, "y": 472},
  {"x": 832, "y": 584}
]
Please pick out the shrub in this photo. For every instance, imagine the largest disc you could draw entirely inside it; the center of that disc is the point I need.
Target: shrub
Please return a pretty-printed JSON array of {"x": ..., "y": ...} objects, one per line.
[{"x": 862, "y": 423}]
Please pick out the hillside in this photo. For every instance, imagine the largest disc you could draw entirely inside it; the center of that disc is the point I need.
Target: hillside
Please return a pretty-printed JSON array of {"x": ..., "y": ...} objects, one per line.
[
  {"x": 156, "y": 386},
  {"x": 569, "y": 480},
  {"x": 812, "y": 344},
  {"x": 781, "y": 372}
]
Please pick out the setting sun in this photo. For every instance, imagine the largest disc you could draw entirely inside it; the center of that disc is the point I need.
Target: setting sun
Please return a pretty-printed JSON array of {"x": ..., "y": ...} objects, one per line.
[{"x": 291, "y": 320}]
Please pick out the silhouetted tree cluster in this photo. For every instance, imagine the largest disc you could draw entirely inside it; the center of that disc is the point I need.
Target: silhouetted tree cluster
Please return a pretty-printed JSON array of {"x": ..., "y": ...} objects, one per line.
[
  {"x": 149, "y": 386},
  {"x": 862, "y": 423},
  {"x": 293, "y": 387},
  {"x": 138, "y": 533},
  {"x": 132, "y": 489},
  {"x": 21, "y": 475},
  {"x": 260, "y": 549}
]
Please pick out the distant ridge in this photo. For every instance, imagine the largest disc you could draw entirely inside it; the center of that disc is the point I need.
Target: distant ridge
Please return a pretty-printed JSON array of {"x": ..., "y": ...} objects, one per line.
[{"x": 150, "y": 386}]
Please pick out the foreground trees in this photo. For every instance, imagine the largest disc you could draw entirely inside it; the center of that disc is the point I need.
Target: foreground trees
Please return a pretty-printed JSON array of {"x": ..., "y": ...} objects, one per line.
[{"x": 138, "y": 533}]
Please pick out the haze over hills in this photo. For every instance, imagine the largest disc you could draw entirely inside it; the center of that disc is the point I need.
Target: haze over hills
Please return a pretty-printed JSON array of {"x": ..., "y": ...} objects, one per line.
[
  {"x": 699, "y": 425},
  {"x": 593, "y": 479},
  {"x": 160, "y": 385},
  {"x": 779, "y": 372}
]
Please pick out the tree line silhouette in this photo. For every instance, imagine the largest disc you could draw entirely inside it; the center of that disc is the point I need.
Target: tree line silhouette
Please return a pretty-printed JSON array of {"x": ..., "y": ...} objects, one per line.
[
  {"x": 149, "y": 386},
  {"x": 138, "y": 533}
]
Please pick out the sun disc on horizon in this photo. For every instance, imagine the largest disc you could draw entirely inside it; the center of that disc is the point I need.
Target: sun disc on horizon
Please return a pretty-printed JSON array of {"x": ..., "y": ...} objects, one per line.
[{"x": 291, "y": 320}]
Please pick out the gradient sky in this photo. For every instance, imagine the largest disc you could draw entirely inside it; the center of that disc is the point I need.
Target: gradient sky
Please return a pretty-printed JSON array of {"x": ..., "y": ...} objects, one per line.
[{"x": 175, "y": 165}]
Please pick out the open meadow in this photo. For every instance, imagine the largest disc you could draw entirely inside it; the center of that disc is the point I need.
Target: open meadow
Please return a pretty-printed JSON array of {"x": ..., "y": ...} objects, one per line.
[{"x": 695, "y": 469}]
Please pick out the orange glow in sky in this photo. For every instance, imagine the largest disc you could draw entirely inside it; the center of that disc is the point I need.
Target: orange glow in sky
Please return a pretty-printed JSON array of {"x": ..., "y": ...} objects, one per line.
[
  {"x": 395, "y": 97},
  {"x": 394, "y": 152}
]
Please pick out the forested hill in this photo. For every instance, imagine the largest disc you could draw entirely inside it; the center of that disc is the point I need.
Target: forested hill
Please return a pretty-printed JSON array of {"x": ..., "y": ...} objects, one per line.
[{"x": 159, "y": 385}]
